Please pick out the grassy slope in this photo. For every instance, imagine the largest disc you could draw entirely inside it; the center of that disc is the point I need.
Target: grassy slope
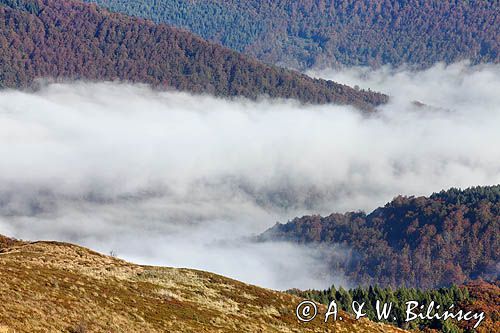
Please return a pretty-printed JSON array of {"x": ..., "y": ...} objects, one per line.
[{"x": 57, "y": 287}]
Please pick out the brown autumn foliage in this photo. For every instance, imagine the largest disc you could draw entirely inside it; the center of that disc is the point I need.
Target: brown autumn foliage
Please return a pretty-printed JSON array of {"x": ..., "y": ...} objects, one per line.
[
  {"x": 485, "y": 298},
  {"x": 448, "y": 238},
  {"x": 72, "y": 40}
]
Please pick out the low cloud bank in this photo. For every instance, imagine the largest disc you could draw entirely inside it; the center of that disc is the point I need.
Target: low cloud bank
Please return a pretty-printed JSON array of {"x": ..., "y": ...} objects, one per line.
[{"x": 171, "y": 179}]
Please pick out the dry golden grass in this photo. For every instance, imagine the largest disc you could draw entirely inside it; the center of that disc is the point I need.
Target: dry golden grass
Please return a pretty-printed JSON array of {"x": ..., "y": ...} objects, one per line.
[{"x": 57, "y": 287}]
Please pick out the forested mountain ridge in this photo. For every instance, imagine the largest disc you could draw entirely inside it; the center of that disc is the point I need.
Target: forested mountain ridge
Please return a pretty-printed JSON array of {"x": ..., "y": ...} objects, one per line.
[
  {"x": 447, "y": 238},
  {"x": 73, "y": 40},
  {"x": 307, "y": 33}
]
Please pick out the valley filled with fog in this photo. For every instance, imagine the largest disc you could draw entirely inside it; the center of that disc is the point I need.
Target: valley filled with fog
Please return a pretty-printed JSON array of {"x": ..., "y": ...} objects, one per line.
[{"x": 172, "y": 179}]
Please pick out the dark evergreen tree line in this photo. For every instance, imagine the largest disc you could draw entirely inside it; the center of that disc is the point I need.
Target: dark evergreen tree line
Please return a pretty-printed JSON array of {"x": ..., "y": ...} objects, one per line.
[{"x": 445, "y": 297}]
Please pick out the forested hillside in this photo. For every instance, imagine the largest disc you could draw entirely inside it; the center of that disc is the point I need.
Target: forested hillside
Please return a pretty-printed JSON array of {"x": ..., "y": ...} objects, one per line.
[
  {"x": 478, "y": 296},
  {"x": 308, "y": 33},
  {"x": 447, "y": 238},
  {"x": 73, "y": 40}
]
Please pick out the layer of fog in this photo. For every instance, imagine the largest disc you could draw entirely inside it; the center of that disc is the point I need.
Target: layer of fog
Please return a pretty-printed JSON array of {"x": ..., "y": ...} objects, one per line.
[{"x": 171, "y": 179}]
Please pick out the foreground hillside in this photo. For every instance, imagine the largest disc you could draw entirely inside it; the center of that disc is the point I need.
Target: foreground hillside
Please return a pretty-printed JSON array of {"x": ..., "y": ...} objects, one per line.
[
  {"x": 447, "y": 238},
  {"x": 485, "y": 297},
  {"x": 56, "y": 287},
  {"x": 303, "y": 33},
  {"x": 73, "y": 40}
]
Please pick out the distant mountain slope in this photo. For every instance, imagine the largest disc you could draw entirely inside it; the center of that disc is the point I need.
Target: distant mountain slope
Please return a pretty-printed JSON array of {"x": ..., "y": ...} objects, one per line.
[
  {"x": 69, "y": 39},
  {"x": 56, "y": 287},
  {"x": 447, "y": 238},
  {"x": 305, "y": 33}
]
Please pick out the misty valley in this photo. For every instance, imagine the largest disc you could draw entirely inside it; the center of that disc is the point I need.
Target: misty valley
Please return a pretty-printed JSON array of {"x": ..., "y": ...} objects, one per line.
[
  {"x": 202, "y": 179},
  {"x": 212, "y": 166}
]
